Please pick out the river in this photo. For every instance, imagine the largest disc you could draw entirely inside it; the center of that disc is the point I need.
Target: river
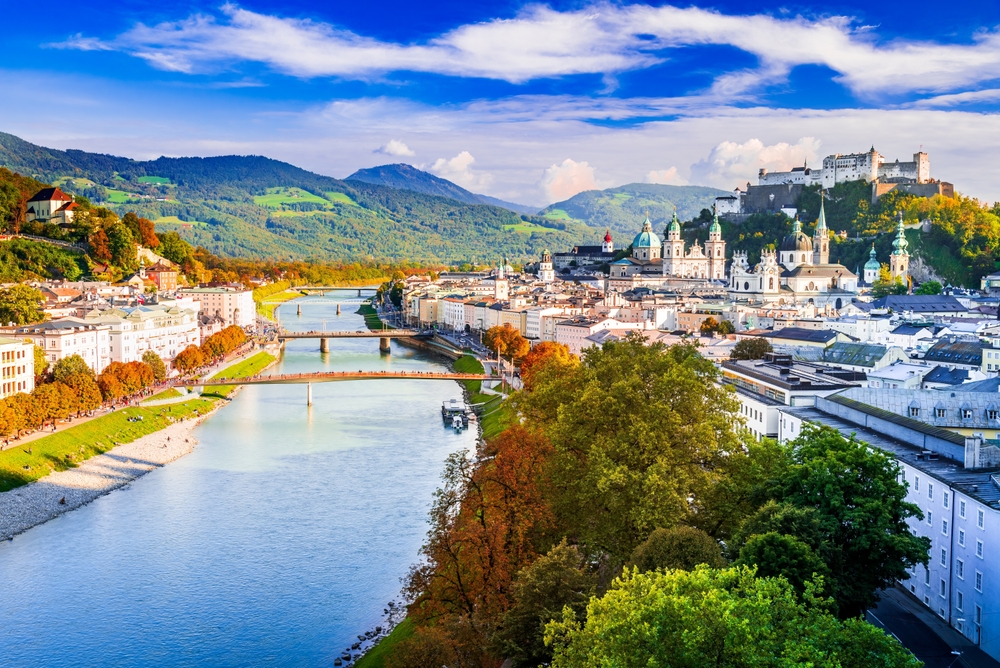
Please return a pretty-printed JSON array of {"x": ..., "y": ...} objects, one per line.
[{"x": 278, "y": 540}]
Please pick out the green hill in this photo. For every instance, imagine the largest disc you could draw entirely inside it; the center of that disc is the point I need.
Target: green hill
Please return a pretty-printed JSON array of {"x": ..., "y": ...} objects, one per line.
[
  {"x": 252, "y": 206},
  {"x": 623, "y": 209}
]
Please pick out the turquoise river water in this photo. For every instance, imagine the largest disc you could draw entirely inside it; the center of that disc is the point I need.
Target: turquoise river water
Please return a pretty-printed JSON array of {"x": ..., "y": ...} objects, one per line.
[{"x": 277, "y": 541}]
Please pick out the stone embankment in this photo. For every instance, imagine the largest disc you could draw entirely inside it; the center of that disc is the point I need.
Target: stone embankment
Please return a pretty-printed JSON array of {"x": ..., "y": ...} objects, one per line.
[{"x": 24, "y": 507}]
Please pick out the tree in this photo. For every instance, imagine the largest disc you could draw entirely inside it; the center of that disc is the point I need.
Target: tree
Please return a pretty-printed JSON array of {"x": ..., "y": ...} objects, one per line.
[
  {"x": 41, "y": 362},
  {"x": 546, "y": 352},
  {"x": 555, "y": 581},
  {"x": 726, "y": 327},
  {"x": 886, "y": 285},
  {"x": 189, "y": 359},
  {"x": 682, "y": 547},
  {"x": 505, "y": 341},
  {"x": 123, "y": 246},
  {"x": 88, "y": 392},
  {"x": 750, "y": 349},
  {"x": 174, "y": 248},
  {"x": 861, "y": 505},
  {"x": 641, "y": 436},
  {"x": 775, "y": 554},
  {"x": 70, "y": 366},
  {"x": 928, "y": 288},
  {"x": 726, "y": 618},
  {"x": 709, "y": 326},
  {"x": 154, "y": 362},
  {"x": 21, "y": 305},
  {"x": 100, "y": 246}
]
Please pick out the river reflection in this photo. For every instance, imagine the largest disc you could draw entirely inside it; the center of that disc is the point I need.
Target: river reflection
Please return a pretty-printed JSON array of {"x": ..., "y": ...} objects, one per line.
[{"x": 276, "y": 541}]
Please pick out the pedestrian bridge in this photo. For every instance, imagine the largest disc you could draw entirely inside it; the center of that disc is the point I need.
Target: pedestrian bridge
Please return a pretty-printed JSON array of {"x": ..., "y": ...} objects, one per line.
[
  {"x": 333, "y": 377},
  {"x": 359, "y": 334}
]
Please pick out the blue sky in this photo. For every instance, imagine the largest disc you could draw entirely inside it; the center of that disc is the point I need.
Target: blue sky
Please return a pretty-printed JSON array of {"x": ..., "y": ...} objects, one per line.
[{"x": 529, "y": 102}]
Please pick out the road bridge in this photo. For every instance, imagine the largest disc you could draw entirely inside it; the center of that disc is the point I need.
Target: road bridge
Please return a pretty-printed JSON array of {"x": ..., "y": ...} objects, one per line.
[
  {"x": 331, "y": 377},
  {"x": 383, "y": 336}
]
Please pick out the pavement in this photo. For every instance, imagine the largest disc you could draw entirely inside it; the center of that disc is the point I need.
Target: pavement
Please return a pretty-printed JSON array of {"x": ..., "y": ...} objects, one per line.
[{"x": 925, "y": 634}]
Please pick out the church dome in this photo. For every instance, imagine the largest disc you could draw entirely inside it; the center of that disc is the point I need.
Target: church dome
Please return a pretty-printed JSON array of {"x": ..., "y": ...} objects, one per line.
[
  {"x": 872, "y": 264},
  {"x": 797, "y": 240},
  {"x": 647, "y": 238}
]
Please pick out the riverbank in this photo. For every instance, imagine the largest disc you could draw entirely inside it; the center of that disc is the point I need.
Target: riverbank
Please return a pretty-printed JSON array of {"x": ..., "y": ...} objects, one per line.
[
  {"x": 267, "y": 306},
  {"x": 62, "y": 471}
]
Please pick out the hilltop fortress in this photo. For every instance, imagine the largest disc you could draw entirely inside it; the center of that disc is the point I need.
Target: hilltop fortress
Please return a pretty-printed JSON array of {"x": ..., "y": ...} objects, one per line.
[{"x": 779, "y": 191}]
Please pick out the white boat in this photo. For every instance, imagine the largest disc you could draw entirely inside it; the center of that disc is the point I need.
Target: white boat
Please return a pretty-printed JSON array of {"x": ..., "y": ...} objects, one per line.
[{"x": 457, "y": 422}]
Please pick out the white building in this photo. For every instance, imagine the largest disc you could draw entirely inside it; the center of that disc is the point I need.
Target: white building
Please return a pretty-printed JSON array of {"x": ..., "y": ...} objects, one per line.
[
  {"x": 839, "y": 168},
  {"x": 545, "y": 271},
  {"x": 953, "y": 480},
  {"x": 17, "y": 366},
  {"x": 234, "y": 306},
  {"x": 574, "y": 332},
  {"x": 66, "y": 337},
  {"x": 166, "y": 330}
]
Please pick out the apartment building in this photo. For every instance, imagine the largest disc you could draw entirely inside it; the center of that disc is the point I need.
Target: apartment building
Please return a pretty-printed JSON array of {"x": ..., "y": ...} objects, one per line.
[
  {"x": 65, "y": 337},
  {"x": 166, "y": 330},
  {"x": 234, "y": 305},
  {"x": 17, "y": 366}
]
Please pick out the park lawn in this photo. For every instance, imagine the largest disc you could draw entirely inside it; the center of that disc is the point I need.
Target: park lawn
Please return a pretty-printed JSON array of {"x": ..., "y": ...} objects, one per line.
[
  {"x": 528, "y": 228},
  {"x": 251, "y": 366},
  {"x": 372, "y": 321},
  {"x": 275, "y": 197},
  {"x": 267, "y": 306},
  {"x": 375, "y": 657},
  {"x": 158, "y": 180},
  {"x": 340, "y": 198},
  {"x": 68, "y": 448},
  {"x": 168, "y": 393}
]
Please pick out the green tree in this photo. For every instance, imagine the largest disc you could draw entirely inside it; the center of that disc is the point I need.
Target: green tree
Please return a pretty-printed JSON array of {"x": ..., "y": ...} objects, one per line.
[
  {"x": 726, "y": 327},
  {"x": 41, "y": 361},
  {"x": 928, "y": 288},
  {"x": 553, "y": 582},
  {"x": 641, "y": 435},
  {"x": 682, "y": 547},
  {"x": 862, "y": 507},
  {"x": 775, "y": 554},
  {"x": 156, "y": 364},
  {"x": 750, "y": 349},
  {"x": 725, "y": 618},
  {"x": 21, "y": 305},
  {"x": 70, "y": 366},
  {"x": 709, "y": 326},
  {"x": 123, "y": 247},
  {"x": 174, "y": 248}
]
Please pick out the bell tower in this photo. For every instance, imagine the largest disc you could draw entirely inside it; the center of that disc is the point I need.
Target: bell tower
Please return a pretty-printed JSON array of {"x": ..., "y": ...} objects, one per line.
[
  {"x": 899, "y": 261},
  {"x": 821, "y": 237},
  {"x": 715, "y": 250}
]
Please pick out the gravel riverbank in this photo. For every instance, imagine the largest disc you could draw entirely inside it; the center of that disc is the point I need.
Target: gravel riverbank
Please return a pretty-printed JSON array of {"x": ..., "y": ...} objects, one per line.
[{"x": 57, "y": 493}]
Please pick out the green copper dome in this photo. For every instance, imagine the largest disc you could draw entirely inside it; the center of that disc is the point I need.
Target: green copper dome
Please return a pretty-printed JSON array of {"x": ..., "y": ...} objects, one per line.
[
  {"x": 675, "y": 225},
  {"x": 899, "y": 244},
  {"x": 715, "y": 227},
  {"x": 872, "y": 264},
  {"x": 647, "y": 238}
]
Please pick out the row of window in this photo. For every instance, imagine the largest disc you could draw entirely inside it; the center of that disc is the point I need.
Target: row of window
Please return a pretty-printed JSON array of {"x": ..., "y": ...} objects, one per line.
[
  {"x": 946, "y": 501},
  {"x": 964, "y": 413}
]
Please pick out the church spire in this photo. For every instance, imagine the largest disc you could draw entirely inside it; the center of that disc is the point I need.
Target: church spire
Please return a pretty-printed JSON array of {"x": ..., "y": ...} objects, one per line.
[
  {"x": 821, "y": 223},
  {"x": 900, "y": 244}
]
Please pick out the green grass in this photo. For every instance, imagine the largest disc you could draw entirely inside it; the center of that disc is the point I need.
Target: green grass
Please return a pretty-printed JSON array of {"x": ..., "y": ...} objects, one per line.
[
  {"x": 158, "y": 180},
  {"x": 248, "y": 367},
  {"x": 168, "y": 393},
  {"x": 67, "y": 449},
  {"x": 558, "y": 214},
  {"x": 372, "y": 321},
  {"x": 119, "y": 196},
  {"x": 470, "y": 364},
  {"x": 275, "y": 197},
  {"x": 174, "y": 220},
  {"x": 375, "y": 657},
  {"x": 622, "y": 197},
  {"x": 266, "y": 307},
  {"x": 71, "y": 182},
  {"x": 528, "y": 228},
  {"x": 340, "y": 198}
]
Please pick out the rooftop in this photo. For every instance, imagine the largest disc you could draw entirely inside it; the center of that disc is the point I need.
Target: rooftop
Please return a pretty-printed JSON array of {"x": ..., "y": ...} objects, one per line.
[{"x": 784, "y": 372}]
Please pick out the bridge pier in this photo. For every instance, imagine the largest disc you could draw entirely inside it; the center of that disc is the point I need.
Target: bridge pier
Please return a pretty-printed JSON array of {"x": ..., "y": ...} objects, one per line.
[
  {"x": 309, "y": 393},
  {"x": 359, "y": 292},
  {"x": 300, "y": 309},
  {"x": 383, "y": 345},
  {"x": 324, "y": 345},
  {"x": 338, "y": 308}
]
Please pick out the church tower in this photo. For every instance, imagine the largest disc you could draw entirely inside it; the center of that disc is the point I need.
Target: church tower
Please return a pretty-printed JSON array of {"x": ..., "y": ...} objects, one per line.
[
  {"x": 608, "y": 246},
  {"x": 899, "y": 261},
  {"x": 821, "y": 237},
  {"x": 673, "y": 248},
  {"x": 872, "y": 267},
  {"x": 715, "y": 250},
  {"x": 545, "y": 271},
  {"x": 501, "y": 288}
]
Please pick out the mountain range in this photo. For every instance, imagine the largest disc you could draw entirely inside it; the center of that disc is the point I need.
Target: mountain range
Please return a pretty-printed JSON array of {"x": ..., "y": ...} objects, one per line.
[{"x": 253, "y": 206}]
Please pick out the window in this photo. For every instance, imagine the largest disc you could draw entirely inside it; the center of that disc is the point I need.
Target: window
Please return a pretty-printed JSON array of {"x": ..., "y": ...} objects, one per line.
[
  {"x": 979, "y": 581},
  {"x": 939, "y": 412},
  {"x": 966, "y": 413},
  {"x": 961, "y": 509},
  {"x": 979, "y": 549},
  {"x": 959, "y": 601},
  {"x": 981, "y": 519},
  {"x": 961, "y": 537},
  {"x": 944, "y": 499},
  {"x": 960, "y": 569},
  {"x": 927, "y": 576},
  {"x": 930, "y": 517},
  {"x": 979, "y": 615},
  {"x": 914, "y": 411},
  {"x": 944, "y": 557},
  {"x": 930, "y": 491},
  {"x": 943, "y": 588},
  {"x": 944, "y": 527},
  {"x": 916, "y": 483}
]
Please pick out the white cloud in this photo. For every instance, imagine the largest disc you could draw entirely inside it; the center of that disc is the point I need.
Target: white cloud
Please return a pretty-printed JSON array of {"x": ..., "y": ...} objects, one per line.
[
  {"x": 602, "y": 38},
  {"x": 567, "y": 179},
  {"x": 730, "y": 163},
  {"x": 459, "y": 170},
  {"x": 666, "y": 177},
  {"x": 956, "y": 99},
  {"x": 394, "y": 147}
]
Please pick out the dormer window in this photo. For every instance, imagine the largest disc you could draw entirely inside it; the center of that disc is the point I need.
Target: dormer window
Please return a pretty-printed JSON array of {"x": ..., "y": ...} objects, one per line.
[
  {"x": 966, "y": 413},
  {"x": 939, "y": 412},
  {"x": 914, "y": 411}
]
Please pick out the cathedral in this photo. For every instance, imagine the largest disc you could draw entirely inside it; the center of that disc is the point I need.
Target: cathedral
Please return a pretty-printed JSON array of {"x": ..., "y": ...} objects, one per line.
[
  {"x": 799, "y": 272},
  {"x": 654, "y": 262}
]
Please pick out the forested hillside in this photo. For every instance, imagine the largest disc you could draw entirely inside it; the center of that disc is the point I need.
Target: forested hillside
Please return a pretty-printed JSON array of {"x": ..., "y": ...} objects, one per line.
[
  {"x": 623, "y": 209},
  {"x": 252, "y": 206}
]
